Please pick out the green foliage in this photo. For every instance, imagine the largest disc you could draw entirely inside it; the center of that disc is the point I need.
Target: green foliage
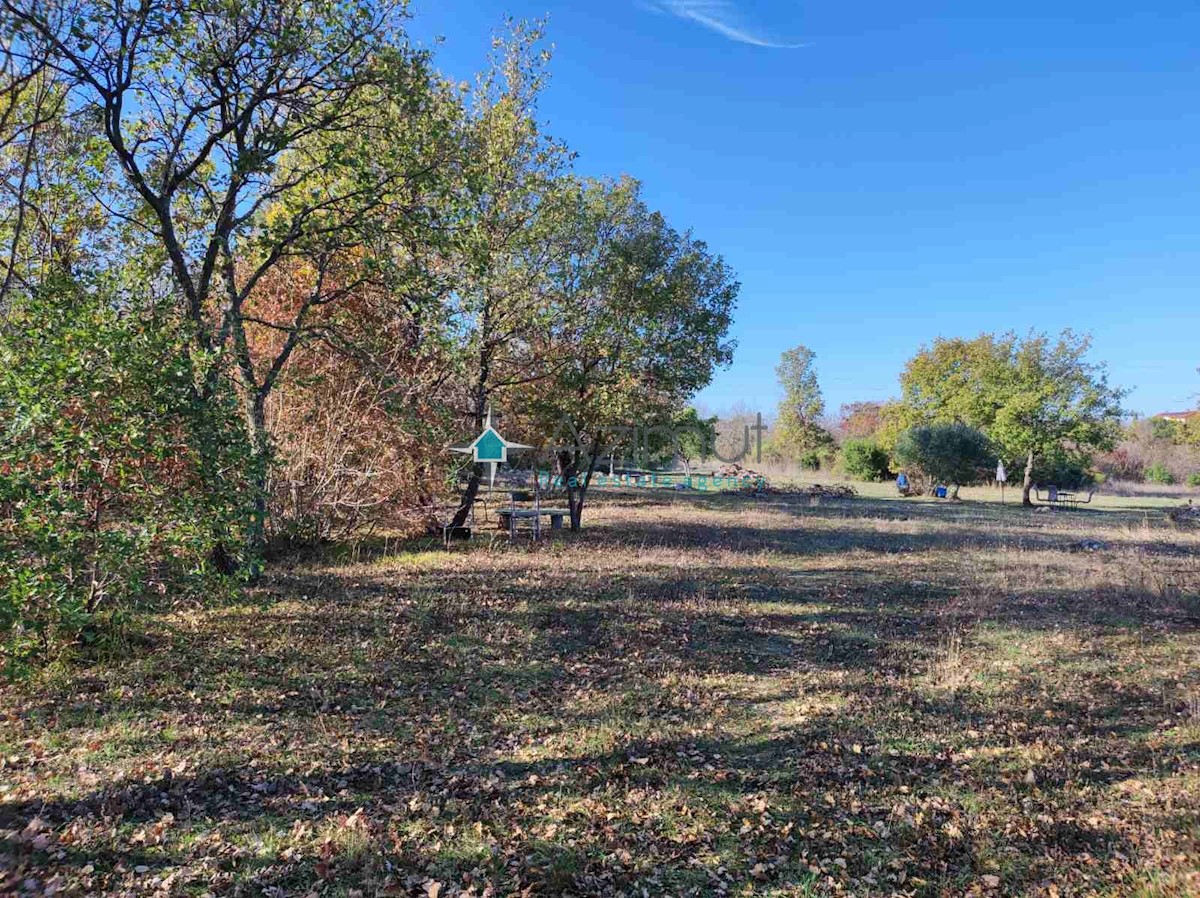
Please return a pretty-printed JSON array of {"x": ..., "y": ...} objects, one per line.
[
  {"x": 798, "y": 431},
  {"x": 945, "y": 453},
  {"x": 687, "y": 437},
  {"x": 116, "y": 484},
  {"x": 235, "y": 139},
  {"x": 637, "y": 320},
  {"x": 1159, "y": 474},
  {"x": 695, "y": 436},
  {"x": 1070, "y": 470},
  {"x": 1193, "y": 479},
  {"x": 810, "y": 460},
  {"x": 1032, "y": 396},
  {"x": 1191, "y": 431},
  {"x": 863, "y": 459},
  {"x": 1163, "y": 429}
]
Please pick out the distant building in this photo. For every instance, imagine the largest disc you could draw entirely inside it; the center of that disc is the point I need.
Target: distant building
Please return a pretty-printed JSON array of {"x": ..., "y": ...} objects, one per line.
[{"x": 1179, "y": 417}]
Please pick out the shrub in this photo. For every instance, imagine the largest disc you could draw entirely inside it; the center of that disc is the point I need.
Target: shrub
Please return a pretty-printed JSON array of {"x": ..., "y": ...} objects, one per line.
[
  {"x": 1159, "y": 474},
  {"x": 810, "y": 460},
  {"x": 864, "y": 460},
  {"x": 1123, "y": 463},
  {"x": 1193, "y": 479},
  {"x": 114, "y": 488},
  {"x": 945, "y": 453},
  {"x": 359, "y": 423}
]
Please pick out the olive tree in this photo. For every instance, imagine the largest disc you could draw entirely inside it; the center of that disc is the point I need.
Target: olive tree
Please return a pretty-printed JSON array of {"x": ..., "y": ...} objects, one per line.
[{"x": 953, "y": 454}]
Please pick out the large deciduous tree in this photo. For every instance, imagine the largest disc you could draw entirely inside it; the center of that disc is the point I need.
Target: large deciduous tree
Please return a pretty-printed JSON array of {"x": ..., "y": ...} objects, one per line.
[
  {"x": 798, "y": 427},
  {"x": 1035, "y": 397},
  {"x": 642, "y": 319},
  {"x": 506, "y": 235},
  {"x": 243, "y": 135}
]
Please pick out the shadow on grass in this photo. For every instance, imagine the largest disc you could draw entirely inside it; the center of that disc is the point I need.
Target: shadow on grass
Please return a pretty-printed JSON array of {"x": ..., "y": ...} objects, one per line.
[{"x": 560, "y": 727}]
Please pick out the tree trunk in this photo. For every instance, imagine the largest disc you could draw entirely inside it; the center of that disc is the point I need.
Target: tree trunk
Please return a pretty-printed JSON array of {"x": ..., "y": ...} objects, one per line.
[
  {"x": 575, "y": 505},
  {"x": 1027, "y": 485},
  {"x": 260, "y": 445},
  {"x": 468, "y": 497},
  {"x": 568, "y": 476},
  {"x": 482, "y": 396},
  {"x": 580, "y": 492}
]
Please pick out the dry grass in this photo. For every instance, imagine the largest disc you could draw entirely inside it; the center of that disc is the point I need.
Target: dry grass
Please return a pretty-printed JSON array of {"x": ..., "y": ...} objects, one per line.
[{"x": 698, "y": 694}]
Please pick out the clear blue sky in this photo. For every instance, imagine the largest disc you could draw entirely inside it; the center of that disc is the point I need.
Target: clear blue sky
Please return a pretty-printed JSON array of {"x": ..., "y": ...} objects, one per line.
[{"x": 913, "y": 170}]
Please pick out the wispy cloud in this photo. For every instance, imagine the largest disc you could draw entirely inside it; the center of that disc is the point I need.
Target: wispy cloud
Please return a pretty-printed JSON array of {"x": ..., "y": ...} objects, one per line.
[{"x": 722, "y": 17}]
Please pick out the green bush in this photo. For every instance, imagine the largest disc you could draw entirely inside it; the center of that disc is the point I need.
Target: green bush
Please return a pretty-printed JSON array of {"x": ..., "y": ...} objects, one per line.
[
  {"x": 1159, "y": 474},
  {"x": 1193, "y": 479},
  {"x": 115, "y": 482},
  {"x": 864, "y": 460},
  {"x": 811, "y": 460},
  {"x": 952, "y": 454}
]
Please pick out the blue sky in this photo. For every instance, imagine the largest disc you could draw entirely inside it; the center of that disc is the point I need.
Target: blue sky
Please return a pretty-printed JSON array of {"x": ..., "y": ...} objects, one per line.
[{"x": 880, "y": 174}]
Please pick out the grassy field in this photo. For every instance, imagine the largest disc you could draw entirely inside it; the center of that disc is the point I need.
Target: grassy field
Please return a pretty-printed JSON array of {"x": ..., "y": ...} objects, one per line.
[{"x": 697, "y": 695}]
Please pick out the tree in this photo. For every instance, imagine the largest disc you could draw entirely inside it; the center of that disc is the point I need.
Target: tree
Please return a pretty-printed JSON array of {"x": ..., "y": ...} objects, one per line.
[
  {"x": 694, "y": 436},
  {"x": 361, "y": 415},
  {"x": 43, "y": 178},
  {"x": 643, "y": 318},
  {"x": 223, "y": 121},
  {"x": 798, "y": 431},
  {"x": 685, "y": 436},
  {"x": 952, "y": 454},
  {"x": 1166, "y": 430},
  {"x": 860, "y": 420},
  {"x": 506, "y": 240},
  {"x": 1034, "y": 397}
]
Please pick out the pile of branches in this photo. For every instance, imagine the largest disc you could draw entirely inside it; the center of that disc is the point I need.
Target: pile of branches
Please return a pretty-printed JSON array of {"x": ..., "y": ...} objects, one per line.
[
  {"x": 737, "y": 472},
  {"x": 838, "y": 491},
  {"x": 762, "y": 487},
  {"x": 1187, "y": 516}
]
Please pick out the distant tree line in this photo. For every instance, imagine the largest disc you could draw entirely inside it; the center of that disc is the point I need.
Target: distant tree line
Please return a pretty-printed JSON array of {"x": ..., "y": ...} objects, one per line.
[{"x": 1035, "y": 403}]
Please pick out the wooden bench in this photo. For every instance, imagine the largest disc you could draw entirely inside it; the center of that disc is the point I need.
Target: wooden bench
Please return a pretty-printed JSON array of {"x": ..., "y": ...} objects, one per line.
[{"x": 509, "y": 516}]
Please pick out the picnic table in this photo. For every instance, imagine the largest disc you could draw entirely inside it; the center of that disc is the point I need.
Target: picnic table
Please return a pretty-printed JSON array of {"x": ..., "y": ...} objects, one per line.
[{"x": 1063, "y": 498}]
